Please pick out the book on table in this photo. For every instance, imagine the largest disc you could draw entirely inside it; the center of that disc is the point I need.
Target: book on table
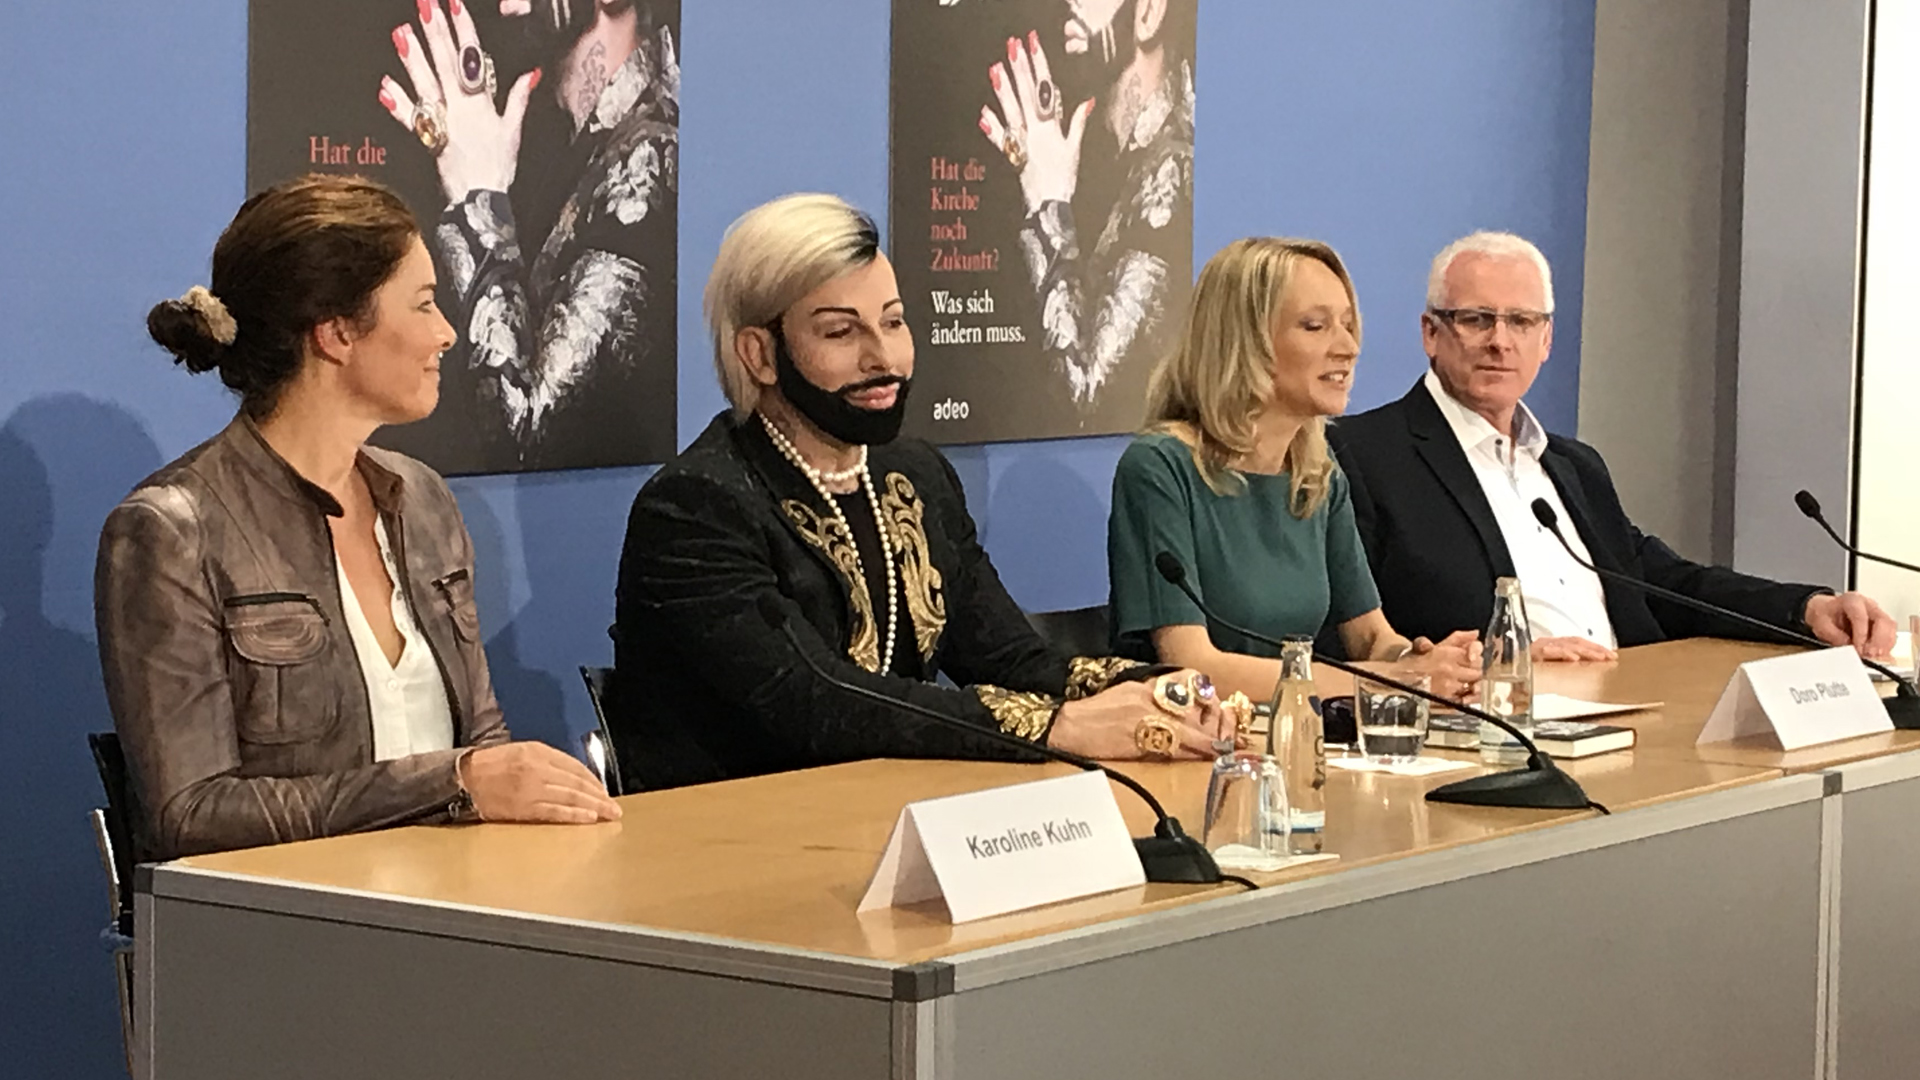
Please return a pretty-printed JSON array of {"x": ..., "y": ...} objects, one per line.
[{"x": 1555, "y": 738}]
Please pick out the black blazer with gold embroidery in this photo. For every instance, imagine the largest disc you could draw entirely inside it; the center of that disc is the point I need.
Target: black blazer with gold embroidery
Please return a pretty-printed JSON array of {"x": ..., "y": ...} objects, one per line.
[{"x": 703, "y": 690}]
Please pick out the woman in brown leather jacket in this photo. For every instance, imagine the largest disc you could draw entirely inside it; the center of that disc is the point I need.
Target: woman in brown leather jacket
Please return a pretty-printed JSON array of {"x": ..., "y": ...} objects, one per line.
[{"x": 286, "y": 614}]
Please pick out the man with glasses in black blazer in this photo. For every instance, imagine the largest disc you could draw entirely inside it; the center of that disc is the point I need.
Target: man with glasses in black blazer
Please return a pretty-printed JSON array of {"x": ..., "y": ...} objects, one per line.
[{"x": 1443, "y": 483}]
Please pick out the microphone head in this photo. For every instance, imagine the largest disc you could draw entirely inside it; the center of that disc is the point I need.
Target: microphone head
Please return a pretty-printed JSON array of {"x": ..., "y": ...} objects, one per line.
[
  {"x": 1808, "y": 505},
  {"x": 1170, "y": 568},
  {"x": 771, "y": 611},
  {"x": 1543, "y": 513}
]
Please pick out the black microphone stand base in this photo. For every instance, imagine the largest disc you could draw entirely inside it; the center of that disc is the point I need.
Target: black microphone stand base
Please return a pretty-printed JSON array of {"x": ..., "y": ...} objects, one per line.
[
  {"x": 1904, "y": 710},
  {"x": 1539, "y": 786},
  {"x": 1170, "y": 855}
]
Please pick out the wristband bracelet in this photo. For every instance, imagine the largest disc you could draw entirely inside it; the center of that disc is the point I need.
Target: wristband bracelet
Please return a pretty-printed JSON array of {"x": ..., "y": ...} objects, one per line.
[{"x": 459, "y": 808}]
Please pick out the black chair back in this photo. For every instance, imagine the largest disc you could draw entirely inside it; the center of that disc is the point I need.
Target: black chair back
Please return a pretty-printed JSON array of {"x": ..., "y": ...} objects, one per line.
[
  {"x": 1075, "y": 632},
  {"x": 118, "y": 786},
  {"x": 597, "y": 680}
]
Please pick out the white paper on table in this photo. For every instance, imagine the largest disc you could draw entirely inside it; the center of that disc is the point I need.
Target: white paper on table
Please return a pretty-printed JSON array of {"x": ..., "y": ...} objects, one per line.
[
  {"x": 1421, "y": 766},
  {"x": 1242, "y": 857},
  {"x": 1562, "y": 707},
  {"x": 1901, "y": 661}
]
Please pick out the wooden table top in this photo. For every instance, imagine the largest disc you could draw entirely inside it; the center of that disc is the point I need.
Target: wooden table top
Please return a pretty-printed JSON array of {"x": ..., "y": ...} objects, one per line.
[
  {"x": 784, "y": 859},
  {"x": 1689, "y": 676}
]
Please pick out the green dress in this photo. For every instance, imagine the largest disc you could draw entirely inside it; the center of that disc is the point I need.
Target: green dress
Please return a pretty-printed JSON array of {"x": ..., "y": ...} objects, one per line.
[{"x": 1253, "y": 561}]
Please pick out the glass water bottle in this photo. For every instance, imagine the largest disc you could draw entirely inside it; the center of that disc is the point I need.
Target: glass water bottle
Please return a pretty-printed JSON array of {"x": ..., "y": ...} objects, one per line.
[
  {"x": 1298, "y": 741},
  {"x": 1506, "y": 675}
]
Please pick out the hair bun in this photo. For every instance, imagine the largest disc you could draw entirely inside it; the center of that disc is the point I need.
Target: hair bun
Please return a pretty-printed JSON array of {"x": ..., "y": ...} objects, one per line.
[{"x": 196, "y": 328}]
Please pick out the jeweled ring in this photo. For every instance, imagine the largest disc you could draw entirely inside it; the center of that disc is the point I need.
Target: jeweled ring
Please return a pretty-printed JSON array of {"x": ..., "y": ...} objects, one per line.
[
  {"x": 473, "y": 69},
  {"x": 1046, "y": 100},
  {"x": 1155, "y": 738},
  {"x": 1174, "y": 695},
  {"x": 430, "y": 125},
  {"x": 1015, "y": 149}
]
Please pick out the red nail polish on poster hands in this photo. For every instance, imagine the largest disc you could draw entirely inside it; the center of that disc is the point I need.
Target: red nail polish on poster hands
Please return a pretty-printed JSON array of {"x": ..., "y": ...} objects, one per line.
[
  {"x": 400, "y": 41},
  {"x": 534, "y": 83},
  {"x": 426, "y": 11},
  {"x": 1033, "y": 40},
  {"x": 993, "y": 73},
  {"x": 1013, "y": 50},
  {"x": 386, "y": 99},
  {"x": 454, "y": 7}
]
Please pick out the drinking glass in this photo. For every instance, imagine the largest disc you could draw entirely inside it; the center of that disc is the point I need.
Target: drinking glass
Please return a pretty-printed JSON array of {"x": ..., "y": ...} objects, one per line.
[
  {"x": 1393, "y": 723},
  {"x": 1337, "y": 725},
  {"x": 1247, "y": 824}
]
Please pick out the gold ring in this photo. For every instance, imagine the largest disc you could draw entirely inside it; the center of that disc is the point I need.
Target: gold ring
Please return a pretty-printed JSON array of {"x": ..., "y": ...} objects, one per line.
[
  {"x": 1155, "y": 738},
  {"x": 1016, "y": 150},
  {"x": 1174, "y": 695},
  {"x": 430, "y": 125},
  {"x": 1240, "y": 707}
]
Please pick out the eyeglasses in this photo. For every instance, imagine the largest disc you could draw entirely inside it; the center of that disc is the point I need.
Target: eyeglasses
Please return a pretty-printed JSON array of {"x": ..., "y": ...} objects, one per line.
[{"x": 1481, "y": 322}]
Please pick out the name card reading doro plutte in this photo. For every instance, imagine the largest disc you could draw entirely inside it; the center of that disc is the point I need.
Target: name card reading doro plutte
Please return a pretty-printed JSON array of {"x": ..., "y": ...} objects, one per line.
[
  {"x": 1004, "y": 849},
  {"x": 1801, "y": 700}
]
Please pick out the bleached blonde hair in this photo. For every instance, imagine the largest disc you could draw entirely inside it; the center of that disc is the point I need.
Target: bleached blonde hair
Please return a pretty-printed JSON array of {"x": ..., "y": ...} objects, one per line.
[
  {"x": 1213, "y": 386},
  {"x": 771, "y": 257},
  {"x": 1496, "y": 244}
]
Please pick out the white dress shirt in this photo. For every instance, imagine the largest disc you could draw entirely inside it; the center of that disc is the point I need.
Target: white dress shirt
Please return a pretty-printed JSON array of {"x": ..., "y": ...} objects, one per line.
[
  {"x": 1564, "y": 599},
  {"x": 409, "y": 700}
]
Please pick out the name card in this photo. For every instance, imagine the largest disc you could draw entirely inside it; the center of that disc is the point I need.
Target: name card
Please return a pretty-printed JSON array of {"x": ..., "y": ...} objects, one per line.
[
  {"x": 1801, "y": 700},
  {"x": 990, "y": 852}
]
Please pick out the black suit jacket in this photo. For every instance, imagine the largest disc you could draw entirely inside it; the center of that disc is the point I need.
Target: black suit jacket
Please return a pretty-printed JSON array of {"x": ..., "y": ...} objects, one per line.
[
  {"x": 704, "y": 690},
  {"x": 1436, "y": 549}
]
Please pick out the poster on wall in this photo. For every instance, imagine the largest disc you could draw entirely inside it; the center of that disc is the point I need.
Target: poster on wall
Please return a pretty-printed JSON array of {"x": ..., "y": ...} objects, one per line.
[
  {"x": 538, "y": 143},
  {"x": 1041, "y": 209}
]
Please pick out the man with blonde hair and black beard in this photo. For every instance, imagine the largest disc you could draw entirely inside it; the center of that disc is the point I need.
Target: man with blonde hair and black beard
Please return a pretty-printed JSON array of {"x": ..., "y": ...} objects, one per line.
[
  {"x": 801, "y": 497},
  {"x": 1444, "y": 482}
]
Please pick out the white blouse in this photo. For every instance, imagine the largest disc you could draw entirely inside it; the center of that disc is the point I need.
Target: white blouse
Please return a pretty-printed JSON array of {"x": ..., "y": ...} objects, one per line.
[
  {"x": 410, "y": 710},
  {"x": 1564, "y": 599}
]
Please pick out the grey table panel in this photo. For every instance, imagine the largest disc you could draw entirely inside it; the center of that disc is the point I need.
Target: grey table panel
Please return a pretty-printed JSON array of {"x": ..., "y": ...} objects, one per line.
[
  {"x": 1877, "y": 1032},
  {"x": 1687, "y": 953},
  {"x": 249, "y": 994},
  {"x": 678, "y": 951},
  {"x": 1677, "y": 930}
]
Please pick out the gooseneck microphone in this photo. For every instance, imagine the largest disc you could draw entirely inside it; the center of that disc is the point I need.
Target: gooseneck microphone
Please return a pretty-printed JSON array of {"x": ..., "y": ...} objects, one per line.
[
  {"x": 1169, "y": 855},
  {"x": 1903, "y": 708},
  {"x": 1540, "y": 785},
  {"x": 1810, "y": 506}
]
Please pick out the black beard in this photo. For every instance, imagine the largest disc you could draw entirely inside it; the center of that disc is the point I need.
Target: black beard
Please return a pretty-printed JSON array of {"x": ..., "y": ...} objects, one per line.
[{"x": 830, "y": 411}]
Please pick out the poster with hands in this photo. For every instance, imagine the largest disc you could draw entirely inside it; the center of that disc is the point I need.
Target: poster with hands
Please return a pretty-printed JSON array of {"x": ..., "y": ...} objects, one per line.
[
  {"x": 538, "y": 144},
  {"x": 1041, "y": 212}
]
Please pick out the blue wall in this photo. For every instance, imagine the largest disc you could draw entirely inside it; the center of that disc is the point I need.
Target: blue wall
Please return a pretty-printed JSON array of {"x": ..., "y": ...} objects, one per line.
[{"x": 1386, "y": 128}]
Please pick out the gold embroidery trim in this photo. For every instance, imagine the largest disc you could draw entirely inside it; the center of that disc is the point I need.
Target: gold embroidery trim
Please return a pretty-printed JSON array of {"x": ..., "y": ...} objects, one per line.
[
  {"x": 832, "y": 538},
  {"x": 1088, "y": 675},
  {"x": 1019, "y": 713},
  {"x": 906, "y": 526}
]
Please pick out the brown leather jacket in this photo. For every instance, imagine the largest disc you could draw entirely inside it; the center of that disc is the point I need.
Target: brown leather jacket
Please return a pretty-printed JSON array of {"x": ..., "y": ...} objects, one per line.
[{"x": 230, "y": 670}]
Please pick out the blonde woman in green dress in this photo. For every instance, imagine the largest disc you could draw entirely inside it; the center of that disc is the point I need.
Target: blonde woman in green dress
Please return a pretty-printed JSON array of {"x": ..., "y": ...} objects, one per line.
[{"x": 1234, "y": 478}]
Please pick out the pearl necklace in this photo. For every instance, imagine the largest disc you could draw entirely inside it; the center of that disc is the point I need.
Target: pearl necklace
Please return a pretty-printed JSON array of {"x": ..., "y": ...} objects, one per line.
[{"x": 820, "y": 480}]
